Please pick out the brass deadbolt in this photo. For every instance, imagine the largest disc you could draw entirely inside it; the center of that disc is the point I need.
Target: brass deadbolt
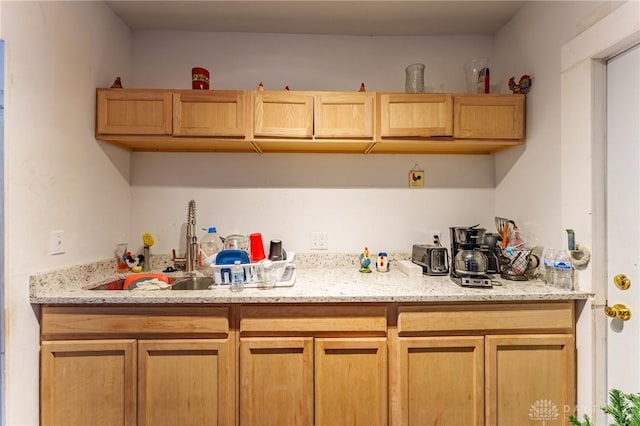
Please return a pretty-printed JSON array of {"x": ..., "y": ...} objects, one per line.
[
  {"x": 622, "y": 281},
  {"x": 618, "y": 311}
]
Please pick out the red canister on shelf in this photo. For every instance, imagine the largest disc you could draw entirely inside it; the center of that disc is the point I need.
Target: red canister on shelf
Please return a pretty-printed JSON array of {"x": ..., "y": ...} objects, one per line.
[{"x": 199, "y": 78}]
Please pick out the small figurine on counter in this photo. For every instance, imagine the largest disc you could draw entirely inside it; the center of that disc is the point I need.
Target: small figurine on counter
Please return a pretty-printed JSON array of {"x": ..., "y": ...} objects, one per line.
[
  {"x": 382, "y": 265},
  {"x": 365, "y": 261},
  {"x": 117, "y": 84},
  {"x": 523, "y": 86},
  {"x": 362, "y": 88},
  {"x": 135, "y": 264}
]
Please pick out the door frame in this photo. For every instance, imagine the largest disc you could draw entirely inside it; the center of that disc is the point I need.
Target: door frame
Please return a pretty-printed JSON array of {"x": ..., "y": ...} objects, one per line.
[{"x": 583, "y": 195}]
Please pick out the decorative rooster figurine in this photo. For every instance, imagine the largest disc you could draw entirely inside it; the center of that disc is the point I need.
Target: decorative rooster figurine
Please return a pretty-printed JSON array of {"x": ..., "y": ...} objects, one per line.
[
  {"x": 522, "y": 86},
  {"x": 365, "y": 261}
]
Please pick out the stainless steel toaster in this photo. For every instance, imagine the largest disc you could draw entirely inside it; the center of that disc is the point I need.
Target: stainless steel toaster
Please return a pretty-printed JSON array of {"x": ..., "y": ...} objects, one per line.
[{"x": 433, "y": 259}]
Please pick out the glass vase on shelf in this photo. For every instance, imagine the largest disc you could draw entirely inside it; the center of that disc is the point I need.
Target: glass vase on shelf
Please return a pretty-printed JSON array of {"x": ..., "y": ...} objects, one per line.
[
  {"x": 472, "y": 73},
  {"x": 414, "y": 80}
]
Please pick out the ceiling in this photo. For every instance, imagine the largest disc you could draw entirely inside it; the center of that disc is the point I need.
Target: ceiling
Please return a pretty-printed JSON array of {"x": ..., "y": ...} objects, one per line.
[{"x": 388, "y": 18}]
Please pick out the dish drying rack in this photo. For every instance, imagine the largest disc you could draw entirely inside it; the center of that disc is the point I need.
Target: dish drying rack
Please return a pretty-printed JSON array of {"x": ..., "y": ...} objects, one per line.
[{"x": 259, "y": 274}]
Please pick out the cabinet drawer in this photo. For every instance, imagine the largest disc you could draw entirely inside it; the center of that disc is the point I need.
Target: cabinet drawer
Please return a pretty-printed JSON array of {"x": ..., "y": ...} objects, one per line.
[
  {"x": 514, "y": 317},
  {"x": 313, "y": 319},
  {"x": 79, "y": 322}
]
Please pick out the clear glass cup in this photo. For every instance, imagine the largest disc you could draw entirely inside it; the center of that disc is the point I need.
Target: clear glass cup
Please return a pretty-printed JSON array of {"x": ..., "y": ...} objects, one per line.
[{"x": 472, "y": 72}]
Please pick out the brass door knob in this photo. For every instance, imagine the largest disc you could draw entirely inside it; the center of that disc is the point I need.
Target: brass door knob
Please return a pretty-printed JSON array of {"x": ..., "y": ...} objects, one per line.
[
  {"x": 622, "y": 281},
  {"x": 618, "y": 311}
]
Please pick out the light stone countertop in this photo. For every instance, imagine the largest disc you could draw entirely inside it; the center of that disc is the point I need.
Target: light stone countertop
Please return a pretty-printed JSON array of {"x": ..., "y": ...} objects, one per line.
[{"x": 320, "y": 279}]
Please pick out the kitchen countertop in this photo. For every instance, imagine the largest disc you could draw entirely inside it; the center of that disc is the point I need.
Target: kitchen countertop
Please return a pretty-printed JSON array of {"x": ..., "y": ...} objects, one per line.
[{"x": 330, "y": 279}]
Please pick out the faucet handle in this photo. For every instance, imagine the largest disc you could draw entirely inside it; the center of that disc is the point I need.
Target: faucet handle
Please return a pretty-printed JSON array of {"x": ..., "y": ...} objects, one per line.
[{"x": 179, "y": 262}]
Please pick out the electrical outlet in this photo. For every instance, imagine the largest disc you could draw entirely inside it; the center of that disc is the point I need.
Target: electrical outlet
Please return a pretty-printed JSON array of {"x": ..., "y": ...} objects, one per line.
[
  {"x": 319, "y": 241},
  {"x": 56, "y": 244},
  {"x": 436, "y": 237}
]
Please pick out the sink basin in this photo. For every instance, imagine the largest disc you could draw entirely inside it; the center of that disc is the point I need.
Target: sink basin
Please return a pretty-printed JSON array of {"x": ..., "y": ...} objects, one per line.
[
  {"x": 112, "y": 285},
  {"x": 192, "y": 283}
]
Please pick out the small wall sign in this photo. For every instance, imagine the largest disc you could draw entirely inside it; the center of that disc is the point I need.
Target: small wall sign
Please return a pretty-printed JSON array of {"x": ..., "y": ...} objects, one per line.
[{"x": 416, "y": 177}]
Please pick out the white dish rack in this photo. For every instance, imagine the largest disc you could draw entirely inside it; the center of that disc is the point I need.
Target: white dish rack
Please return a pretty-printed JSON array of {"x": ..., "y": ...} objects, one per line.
[{"x": 263, "y": 274}]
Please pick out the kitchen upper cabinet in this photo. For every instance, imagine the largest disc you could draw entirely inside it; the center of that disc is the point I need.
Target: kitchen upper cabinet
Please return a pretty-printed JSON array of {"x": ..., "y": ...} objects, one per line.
[
  {"x": 313, "y": 365},
  {"x": 449, "y": 124},
  {"x": 144, "y": 365},
  {"x": 308, "y": 122},
  {"x": 415, "y": 115},
  {"x": 210, "y": 113},
  {"x": 488, "y": 117},
  {"x": 133, "y": 112},
  {"x": 313, "y": 121}
]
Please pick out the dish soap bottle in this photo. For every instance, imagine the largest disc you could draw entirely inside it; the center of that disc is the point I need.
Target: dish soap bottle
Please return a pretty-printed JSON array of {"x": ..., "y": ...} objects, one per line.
[{"x": 210, "y": 245}]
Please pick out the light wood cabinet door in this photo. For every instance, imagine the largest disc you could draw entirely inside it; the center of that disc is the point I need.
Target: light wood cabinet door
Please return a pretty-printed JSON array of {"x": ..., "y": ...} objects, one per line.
[
  {"x": 88, "y": 382},
  {"x": 441, "y": 381},
  {"x": 415, "y": 115},
  {"x": 351, "y": 381},
  {"x": 210, "y": 113},
  {"x": 133, "y": 112},
  {"x": 283, "y": 114},
  {"x": 488, "y": 116},
  {"x": 276, "y": 381},
  {"x": 529, "y": 379},
  {"x": 185, "y": 382},
  {"x": 344, "y": 115}
]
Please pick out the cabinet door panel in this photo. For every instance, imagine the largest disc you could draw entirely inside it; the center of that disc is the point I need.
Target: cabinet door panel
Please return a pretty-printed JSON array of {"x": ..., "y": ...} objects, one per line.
[
  {"x": 133, "y": 112},
  {"x": 283, "y": 114},
  {"x": 91, "y": 382},
  {"x": 185, "y": 382},
  {"x": 344, "y": 115},
  {"x": 441, "y": 381},
  {"x": 351, "y": 381},
  {"x": 209, "y": 113},
  {"x": 416, "y": 115},
  {"x": 489, "y": 116},
  {"x": 529, "y": 378},
  {"x": 276, "y": 381}
]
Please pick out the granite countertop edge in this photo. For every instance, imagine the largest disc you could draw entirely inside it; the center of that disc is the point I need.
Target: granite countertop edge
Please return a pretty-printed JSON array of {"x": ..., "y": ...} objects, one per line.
[{"x": 321, "y": 280}]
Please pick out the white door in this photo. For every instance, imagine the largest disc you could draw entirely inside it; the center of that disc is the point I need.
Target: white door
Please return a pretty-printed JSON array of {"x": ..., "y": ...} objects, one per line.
[{"x": 623, "y": 217}]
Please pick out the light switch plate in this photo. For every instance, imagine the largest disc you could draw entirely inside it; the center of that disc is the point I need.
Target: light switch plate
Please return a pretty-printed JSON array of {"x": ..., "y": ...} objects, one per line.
[{"x": 57, "y": 245}]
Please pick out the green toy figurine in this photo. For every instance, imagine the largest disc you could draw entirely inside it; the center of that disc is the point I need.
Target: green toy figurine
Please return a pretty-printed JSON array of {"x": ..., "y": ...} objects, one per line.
[{"x": 365, "y": 261}]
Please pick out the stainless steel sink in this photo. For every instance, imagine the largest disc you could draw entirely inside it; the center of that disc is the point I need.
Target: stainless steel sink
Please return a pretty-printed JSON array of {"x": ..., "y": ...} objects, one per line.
[{"x": 192, "y": 283}]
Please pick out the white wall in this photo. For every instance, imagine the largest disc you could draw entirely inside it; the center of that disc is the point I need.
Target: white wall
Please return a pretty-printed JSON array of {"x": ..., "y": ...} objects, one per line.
[
  {"x": 359, "y": 200},
  {"x": 528, "y": 178},
  {"x": 56, "y": 176}
]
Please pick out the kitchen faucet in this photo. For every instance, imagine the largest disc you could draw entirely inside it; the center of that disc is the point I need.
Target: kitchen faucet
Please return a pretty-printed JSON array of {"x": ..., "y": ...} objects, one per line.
[{"x": 191, "y": 251}]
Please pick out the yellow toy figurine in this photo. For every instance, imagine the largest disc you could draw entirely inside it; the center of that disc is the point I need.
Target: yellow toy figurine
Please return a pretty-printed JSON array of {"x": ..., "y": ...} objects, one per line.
[{"x": 365, "y": 261}]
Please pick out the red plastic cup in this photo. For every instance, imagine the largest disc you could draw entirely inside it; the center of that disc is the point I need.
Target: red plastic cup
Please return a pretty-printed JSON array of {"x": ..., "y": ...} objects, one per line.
[
  {"x": 256, "y": 247},
  {"x": 199, "y": 78}
]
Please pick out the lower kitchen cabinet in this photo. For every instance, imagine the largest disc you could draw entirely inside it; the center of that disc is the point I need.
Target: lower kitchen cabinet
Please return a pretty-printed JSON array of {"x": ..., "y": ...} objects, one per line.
[
  {"x": 449, "y": 364},
  {"x": 89, "y": 382},
  {"x": 334, "y": 373},
  {"x": 185, "y": 382},
  {"x": 441, "y": 380},
  {"x": 124, "y": 366},
  {"x": 500, "y": 364}
]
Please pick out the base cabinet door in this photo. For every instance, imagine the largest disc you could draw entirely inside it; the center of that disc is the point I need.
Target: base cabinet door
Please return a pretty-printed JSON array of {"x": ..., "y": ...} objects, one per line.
[
  {"x": 441, "y": 381},
  {"x": 351, "y": 381},
  {"x": 185, "y": 382},
  {"x": 530, "y": 379},
  {"x": 88, "y": 382},
  {"x": 276, "y": 381}
]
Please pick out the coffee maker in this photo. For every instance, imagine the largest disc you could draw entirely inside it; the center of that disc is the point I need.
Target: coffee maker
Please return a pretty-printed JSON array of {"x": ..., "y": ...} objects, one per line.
[{"x": 469, "y": 266}]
